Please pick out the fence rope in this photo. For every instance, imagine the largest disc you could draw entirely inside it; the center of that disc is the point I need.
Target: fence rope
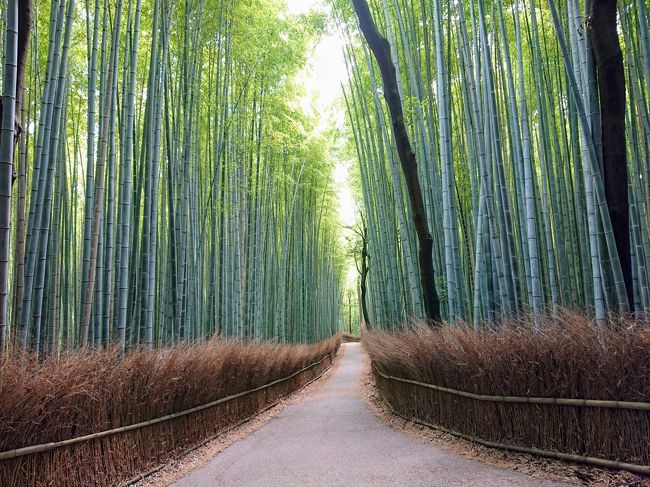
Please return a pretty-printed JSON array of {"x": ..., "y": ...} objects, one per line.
[
  {"x": 144, "y": 475},
  {"x": 600, "y": 462},
  {"x": 28, "y": 450},
  {"x": 643, "y": 406}
]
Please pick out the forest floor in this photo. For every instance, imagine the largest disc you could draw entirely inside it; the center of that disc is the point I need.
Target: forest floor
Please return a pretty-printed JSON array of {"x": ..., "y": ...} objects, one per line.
[{"x": 334, "y": 434}]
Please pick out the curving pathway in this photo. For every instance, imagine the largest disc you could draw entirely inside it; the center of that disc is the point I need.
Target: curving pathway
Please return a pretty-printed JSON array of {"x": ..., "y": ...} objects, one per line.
[{"x": 332, "y": 439}]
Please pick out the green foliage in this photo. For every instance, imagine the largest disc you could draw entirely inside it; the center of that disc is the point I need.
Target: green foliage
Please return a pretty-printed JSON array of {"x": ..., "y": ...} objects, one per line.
[
  {"x": 215, "y": 215},
  {"x": 513, "y": 197}
]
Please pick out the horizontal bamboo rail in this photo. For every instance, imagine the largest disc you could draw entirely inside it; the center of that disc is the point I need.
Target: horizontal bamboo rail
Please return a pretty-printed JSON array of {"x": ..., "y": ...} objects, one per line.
[
  {"x": 29, "y": 450},
  {"x": 643, "y": 406},
  {"x": 220, "y": 433},
  {"x": 599, "y": 462}
]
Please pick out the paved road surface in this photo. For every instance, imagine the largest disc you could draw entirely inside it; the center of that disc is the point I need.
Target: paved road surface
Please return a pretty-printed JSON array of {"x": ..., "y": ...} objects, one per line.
[{"x": 332, "y": 439}]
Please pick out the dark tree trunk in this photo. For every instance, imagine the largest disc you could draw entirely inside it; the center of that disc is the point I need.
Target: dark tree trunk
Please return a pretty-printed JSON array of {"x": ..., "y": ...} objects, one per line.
[
  {"x": 381, "y": 50},
  {"x": 17, "y": 31},
  {"x": 350, "y": 312},
  {"x": 364, "y": 277},
  {"x": 611, "y": 87},
  {"x": 25, "y": 10}
]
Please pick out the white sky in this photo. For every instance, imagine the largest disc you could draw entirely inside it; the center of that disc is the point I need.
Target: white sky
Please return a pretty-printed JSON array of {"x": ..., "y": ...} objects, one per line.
[{"x": 322, "y": 78}]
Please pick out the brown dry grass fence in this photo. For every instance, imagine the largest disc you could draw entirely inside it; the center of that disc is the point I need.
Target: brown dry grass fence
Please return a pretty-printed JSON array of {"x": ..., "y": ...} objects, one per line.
[
  {"x": 348, "y": 338},
  {"x": 471, "y": 373},
  {"x": 87, "y": 393}
]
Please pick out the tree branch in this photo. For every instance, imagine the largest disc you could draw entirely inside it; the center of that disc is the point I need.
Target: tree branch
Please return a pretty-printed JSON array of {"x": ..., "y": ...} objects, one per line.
[{"x": 381, "y": 50}]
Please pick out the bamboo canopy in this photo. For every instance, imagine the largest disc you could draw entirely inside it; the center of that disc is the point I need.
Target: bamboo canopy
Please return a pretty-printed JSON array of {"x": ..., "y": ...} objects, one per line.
[
  {"x": 501, "y": 104},
  {"x": 167, "y": 187}
]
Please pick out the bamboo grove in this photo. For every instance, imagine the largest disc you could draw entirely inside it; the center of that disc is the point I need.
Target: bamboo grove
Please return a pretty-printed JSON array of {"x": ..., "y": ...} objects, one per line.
[
  {"x": 501, "y": 105},
  {"x": 166, "y": 188}
]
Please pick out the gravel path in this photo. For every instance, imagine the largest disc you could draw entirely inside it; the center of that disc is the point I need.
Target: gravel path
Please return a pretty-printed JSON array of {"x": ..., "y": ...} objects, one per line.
[{"x": 332, "y": 439}]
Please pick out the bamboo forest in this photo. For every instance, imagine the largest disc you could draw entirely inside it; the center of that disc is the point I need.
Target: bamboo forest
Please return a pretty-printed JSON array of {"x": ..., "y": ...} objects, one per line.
[{"x": 206, "y": 204}]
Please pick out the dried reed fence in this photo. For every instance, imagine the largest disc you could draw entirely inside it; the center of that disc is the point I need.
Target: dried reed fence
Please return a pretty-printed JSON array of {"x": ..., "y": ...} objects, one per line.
[
  {"x": 500, "y": 387},
  {"x": 89, "y": 393},
  {"x": 348, "y": 338}
]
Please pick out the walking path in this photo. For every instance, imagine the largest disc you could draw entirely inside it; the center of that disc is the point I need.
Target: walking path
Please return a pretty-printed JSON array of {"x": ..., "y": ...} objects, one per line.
[{"x": 332, "y": 439}]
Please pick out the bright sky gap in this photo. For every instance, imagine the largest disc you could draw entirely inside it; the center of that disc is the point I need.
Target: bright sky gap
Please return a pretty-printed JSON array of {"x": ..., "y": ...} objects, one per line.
[{"x": 322, "y": 78}]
